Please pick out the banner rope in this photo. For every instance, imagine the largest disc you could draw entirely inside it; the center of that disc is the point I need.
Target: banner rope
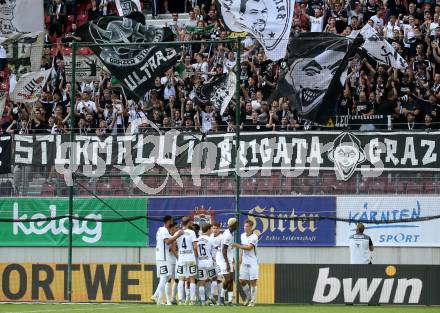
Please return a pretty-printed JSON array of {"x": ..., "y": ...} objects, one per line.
[{"x": 178, "y": 218}]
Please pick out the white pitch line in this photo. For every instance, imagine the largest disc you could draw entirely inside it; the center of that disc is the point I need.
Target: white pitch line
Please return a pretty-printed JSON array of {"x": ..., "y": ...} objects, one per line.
[{"x": 68, "y": 310}]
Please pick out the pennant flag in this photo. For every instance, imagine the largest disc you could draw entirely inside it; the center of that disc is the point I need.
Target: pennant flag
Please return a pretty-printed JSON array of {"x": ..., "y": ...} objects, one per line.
[
  {"x": 21, "y": 16},
  {"x": 315, "y": 73},
  {"x": 380, "y": 49},
  {"x": 24, "y": 51},
  {"x": 218, "y": 93},
  {"x": 29, "y": 86},
  {"x": 126, "y": 7},
  {"x": 121, "y": 44},
  {"x": 269, "y": 21}
]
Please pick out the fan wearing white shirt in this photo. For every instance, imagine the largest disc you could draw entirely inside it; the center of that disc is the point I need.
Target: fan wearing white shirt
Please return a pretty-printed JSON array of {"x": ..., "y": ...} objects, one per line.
[
  {"x": 86, "y": 104},
  {"x": 248, "y": 263},
  {"x": 201, "y": 66},
  {"x": 317, "y": 21},
  {"x": 229, "y": 64},
  {"x": 377, "y": 20},
  {"x": 164, "y": 268}
]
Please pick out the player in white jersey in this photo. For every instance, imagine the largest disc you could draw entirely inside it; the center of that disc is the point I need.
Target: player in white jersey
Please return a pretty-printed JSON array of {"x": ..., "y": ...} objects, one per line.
[
  {"x": 173, "y": 261},
  {"x": 206, "y": 270},
  {"x": 224, "y": 261},
  {"x": 164, "y": 268},
  {"x": 248, "y": 263},
  {"x": 186, "y": 264},
  {"x": 216, "y": 238},
  {"x": 361, "y": 246}
]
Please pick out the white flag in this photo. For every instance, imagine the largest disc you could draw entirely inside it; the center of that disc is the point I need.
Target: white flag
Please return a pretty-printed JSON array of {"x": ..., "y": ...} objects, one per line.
[
  {"x": 269, "y": 21},
  {"x": 3, "y": 96},
  {"x": 21, "y": 16},
  {"x": 125, "y": 7},
  {"x": 29, "y": 86},
  {"x": 380, "y": 49}
]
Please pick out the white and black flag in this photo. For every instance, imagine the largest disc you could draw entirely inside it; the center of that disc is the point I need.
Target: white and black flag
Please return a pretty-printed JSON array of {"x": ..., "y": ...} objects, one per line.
[
  {"x": 126, "y": 7},
  {"x": 218, "y": 93},
  {"x": 315, "y": 73},
  {"x": 380, "y": 49},
  {"x": 269, "y": 21},
  {"x": 124, "y": 46}
]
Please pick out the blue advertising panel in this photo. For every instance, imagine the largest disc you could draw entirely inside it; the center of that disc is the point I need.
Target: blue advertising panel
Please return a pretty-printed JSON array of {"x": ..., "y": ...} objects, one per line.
[
  {"x": 208, "y": 209},
  {"x": 282, "y": 228},
  {"x": 274, "y": 217}
]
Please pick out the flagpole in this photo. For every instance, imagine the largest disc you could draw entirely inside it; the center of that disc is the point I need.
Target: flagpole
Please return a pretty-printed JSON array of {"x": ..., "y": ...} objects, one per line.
[
  {"x": 71, "y": 187},
  {"x": 237, "y": 168}
]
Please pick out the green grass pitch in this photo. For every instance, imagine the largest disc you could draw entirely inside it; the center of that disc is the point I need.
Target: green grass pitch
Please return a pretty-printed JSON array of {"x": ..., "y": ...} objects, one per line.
[{"x": 148, "y": 308}]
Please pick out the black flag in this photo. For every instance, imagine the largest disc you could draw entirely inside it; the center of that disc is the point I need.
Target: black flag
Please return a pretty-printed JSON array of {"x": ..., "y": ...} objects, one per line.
[
  {"x": 315, "y": 73},
  {"x": 218, "y": 93},
  {"x": 5, "y": 154},
  {"x": 136, "y": 66}
]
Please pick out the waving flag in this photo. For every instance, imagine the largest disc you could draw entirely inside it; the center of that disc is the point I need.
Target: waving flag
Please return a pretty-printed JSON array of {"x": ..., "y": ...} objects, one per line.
[
  {"x": 218, "y": 93},
  {"x": 269, "y": 21},
  {"x": 121, "y": 43},
  {"x": 315, "y": 73}
]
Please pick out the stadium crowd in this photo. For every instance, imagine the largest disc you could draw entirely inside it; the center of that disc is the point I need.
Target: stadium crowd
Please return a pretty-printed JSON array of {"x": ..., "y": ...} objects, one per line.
[{"x": 411, "y": 96}]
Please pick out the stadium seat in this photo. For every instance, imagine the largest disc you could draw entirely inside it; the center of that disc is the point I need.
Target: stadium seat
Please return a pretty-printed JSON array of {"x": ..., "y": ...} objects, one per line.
[
  {"x": 48, "y": 190},
  {"x": 121, "y": 192},
  {"x": 81, "y": 20},
  {"x": 286, "y": 185},
  {"x": 414, "y": 188},
  {"x": 213, "y": 186},
  {"x": 430, "y": 188},
  {"x": 228, "y": 186}
]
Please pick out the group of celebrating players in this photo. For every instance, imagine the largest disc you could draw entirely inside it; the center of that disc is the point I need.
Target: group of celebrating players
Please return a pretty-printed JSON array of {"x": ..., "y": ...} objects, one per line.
[{"x": 186, "y": 260}]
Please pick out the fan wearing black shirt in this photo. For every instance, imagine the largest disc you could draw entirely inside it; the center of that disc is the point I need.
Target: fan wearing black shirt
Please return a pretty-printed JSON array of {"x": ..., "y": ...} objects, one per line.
[{"x": 254, "y": 125}]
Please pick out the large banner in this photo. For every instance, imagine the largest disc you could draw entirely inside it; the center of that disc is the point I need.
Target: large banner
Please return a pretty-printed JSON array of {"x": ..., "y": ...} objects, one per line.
[
  {"x": 21, "y": 16},
  {"x": 54, "y": 233},
  {"x": 294, "y": 153},
  {"x": 102, "y": 282},
  {"x": 383, "y": 209},
  {"x": 353, "y": 284},
  {"x": 96, "y": 282},
  {"x": 286, "y": 230}
]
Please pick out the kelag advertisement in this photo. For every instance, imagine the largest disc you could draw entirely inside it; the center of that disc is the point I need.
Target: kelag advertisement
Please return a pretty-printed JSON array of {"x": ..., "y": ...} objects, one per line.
[
  {"x": 278, "y": 227},
  {"x": 54, "y": 232}
]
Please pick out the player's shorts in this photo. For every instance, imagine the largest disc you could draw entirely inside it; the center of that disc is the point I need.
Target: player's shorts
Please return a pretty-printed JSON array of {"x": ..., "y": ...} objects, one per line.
[
  {"x": 164, "y": 268},
  {"x": 249, "y": 272},
  {"x": 223, "y": 269},
  {"x": 186, "y": 269},
  {"x": 205, "y": 273},
  {"x": 217, "y": 272}
]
